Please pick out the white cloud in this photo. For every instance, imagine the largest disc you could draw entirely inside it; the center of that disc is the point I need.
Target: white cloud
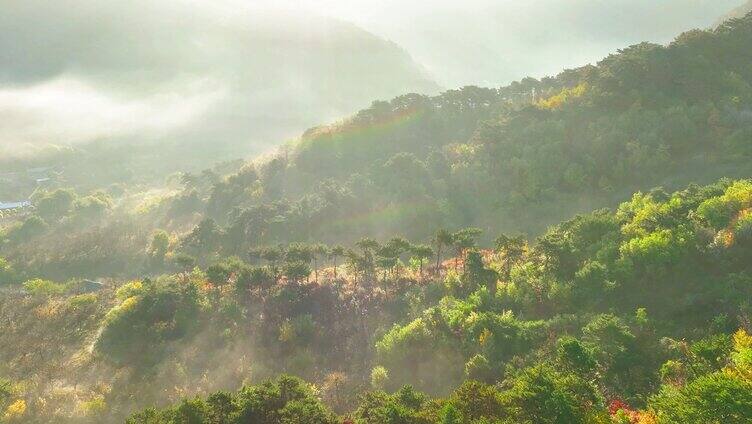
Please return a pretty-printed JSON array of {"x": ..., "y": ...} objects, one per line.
[
  {"x": 210, "y": 72},
  {"x": 66, "y": 110}
]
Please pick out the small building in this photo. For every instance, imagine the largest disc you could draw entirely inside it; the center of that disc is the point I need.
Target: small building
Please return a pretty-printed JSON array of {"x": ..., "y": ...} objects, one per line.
[{"x": 9, "y": 206}]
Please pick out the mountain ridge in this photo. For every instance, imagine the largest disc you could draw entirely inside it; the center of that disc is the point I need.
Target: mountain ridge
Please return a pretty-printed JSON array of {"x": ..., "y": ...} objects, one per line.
[{"x": 256, "y": 77}]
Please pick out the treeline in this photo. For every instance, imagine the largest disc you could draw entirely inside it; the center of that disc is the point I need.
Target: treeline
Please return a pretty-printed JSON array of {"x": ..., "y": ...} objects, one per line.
[{"x": 366, "y": 258}]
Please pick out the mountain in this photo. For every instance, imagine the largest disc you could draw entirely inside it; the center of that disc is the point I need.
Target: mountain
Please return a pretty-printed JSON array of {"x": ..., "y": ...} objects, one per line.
[
  {"x": 382, "y": 260},
  {"x": 518, "y": 158},
  {"x": 230, "y": 81},
  {"x": 514, "y": 159}
]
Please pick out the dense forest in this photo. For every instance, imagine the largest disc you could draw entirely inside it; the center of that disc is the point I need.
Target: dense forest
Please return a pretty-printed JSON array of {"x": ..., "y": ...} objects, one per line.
[
  {"x": 576, "y": 249},
  {"x": 636, "y": 315}
]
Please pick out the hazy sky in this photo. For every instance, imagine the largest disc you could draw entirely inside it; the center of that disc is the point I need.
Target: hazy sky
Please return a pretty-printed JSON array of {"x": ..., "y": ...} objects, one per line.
[
  {"x": 213, "y": 72},
  {"x": 493, "y": 42},
  {"x": 84, "y": 69}
]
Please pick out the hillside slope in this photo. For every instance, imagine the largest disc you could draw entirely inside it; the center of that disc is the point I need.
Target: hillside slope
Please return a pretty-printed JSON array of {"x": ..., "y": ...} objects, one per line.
[
  {"x": 516, "y": 158},
  {"x": 637, "y": 309}
]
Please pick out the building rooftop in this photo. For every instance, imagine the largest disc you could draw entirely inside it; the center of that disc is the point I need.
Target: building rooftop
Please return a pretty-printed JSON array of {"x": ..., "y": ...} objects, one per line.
[{"x": 4, "y": 206}]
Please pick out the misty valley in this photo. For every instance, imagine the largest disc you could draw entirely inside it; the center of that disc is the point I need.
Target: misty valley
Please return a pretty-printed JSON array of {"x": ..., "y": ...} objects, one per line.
[{"x": 234, "y": 214}]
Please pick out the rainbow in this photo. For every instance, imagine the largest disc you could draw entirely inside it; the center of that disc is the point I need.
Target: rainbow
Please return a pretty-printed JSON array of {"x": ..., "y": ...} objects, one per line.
[{"x": 362, "y": 128}]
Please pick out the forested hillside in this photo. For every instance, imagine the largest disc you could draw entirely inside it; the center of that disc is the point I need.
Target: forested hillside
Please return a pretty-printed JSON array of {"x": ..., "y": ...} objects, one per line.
[
  {"x": 518, "y": 159},
  {"x": 521, "y": 157},
  {"x": 636, "y": 315},
  {"x": 571, "y": 250}
]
